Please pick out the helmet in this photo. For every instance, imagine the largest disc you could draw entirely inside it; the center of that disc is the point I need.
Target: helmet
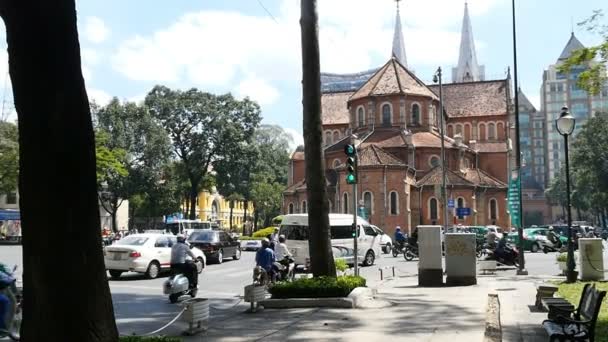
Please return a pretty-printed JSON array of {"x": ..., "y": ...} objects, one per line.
[
  {"x": 398, "y": 228},
  {"x": 181, "y": 238},
  {"x": 265, "y": 242},
  {"x": 282, "y": 238}
]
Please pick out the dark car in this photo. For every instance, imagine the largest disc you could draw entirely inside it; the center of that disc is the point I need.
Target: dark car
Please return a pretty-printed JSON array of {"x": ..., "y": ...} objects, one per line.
[{"x": 216, "y": 244}]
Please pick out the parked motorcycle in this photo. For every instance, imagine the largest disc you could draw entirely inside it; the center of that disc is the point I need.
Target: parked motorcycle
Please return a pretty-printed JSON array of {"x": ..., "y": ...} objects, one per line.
[
  {"x": 509, "y": 257},
  {"x": 178, "y": 285},
  {"x": 8, "y": 287},
  {"x": 285, "y": 269},
  {"x": 410, "y": 252}
]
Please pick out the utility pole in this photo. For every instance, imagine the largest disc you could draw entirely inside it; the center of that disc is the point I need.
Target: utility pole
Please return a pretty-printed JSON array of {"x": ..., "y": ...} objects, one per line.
[{"x": 444, "y": 191}]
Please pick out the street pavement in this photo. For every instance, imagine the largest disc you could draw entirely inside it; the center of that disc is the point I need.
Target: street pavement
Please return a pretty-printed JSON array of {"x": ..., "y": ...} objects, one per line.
[{"x": 140, "y": 306}]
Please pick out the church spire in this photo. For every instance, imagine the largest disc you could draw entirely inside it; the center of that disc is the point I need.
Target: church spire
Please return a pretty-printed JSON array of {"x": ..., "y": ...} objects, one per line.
[
  {"x": 468, "y": 70},
  {"x": 398, "y": 43}
]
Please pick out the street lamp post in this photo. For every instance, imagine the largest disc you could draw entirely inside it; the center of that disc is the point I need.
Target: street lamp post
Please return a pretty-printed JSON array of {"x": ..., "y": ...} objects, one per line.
[
  {"x": 565, "y": 126},
  {"x": 437, "y": 78}
]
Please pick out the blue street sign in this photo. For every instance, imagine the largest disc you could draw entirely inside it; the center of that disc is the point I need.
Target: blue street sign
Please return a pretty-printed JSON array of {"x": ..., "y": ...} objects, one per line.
[
  {"x": 451, "y": 203},
  {"x": 463, "y": 212}
]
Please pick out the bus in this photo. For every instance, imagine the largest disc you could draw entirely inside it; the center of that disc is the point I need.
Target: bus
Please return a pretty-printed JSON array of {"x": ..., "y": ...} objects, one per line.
[{"x": 180, "y": 226}]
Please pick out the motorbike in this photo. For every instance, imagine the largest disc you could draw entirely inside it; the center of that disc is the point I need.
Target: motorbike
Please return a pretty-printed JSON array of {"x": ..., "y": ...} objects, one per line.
[
  {"x": 285, "y": 272},
  {"x": 397, "y": 249},
  {"x": 481, "y": 249},
  {"x": 178, "y": 285},
  {"x": 8, "y": 287},
  {"x": 510, "y": 256},
  {"x": 549, "y": 246},
  {"x": 410, "y": 252}
]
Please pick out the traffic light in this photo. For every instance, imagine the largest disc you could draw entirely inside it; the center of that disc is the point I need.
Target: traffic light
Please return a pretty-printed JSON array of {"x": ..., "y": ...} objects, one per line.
[
  {"x": 353, "y": 230},
  {"x": 351, "y": 164}
]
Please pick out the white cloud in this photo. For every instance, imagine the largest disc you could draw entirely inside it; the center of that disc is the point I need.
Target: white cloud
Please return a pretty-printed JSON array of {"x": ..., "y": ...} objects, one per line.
[
  {"x": 258, "y": 90},
  {"x": 95, "y": 30},
  {"x": 98, "y": 96},
  {"x": 221, "y": 49},
  {"x": 90, "y": 56},
  {"x": 535, "y": 100},
  {"x": 298, "y": 138}
]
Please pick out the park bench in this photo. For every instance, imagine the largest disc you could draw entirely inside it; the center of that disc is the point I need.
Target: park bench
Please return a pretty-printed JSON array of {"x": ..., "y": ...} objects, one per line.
[
  {"x": 576, "y": 326},
  {"x": 544, "y": 291}
]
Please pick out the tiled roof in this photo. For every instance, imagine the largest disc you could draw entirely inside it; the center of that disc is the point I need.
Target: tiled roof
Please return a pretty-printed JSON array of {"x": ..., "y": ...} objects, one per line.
[
  {"x": 491, "y": 147},
  {"x": 393, "y": 78},
  {"x": 384, "y": 138},
  {"x": 572, "y": 45},
  {"x": 301, "y": 185},
  {"x": 373, "y": 155},
  {"x": 471, "y": 177},
  {"x": 481, "y": 178},
  {"x": 432, "y": 139},
  {"x": 475, "y": 98},
  {"x": 334, "y": 110}
]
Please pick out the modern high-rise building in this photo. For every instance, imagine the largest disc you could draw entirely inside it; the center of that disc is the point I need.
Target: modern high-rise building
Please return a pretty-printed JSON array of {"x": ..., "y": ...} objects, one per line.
[
  {"x": 532, "y": 141},
  {"x": 559, "y": 90}
]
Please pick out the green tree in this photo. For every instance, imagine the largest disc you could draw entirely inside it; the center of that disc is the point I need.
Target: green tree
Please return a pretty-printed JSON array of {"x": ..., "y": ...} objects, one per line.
[
  {"x": 202, "y": 128},
  {"x": 595, "y": 58},
  {"x": 57, "y": 177},
  {"x": 9, "y": 157},
  {"x": 322, "y": 261}
]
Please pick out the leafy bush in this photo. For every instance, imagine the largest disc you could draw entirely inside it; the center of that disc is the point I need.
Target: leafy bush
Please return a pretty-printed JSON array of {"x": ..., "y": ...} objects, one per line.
[
  {"x": 149, "y": 339},
  {"x": 341, "y": 265},
  {"x": 321, "y": 287},
  {"x": 563, "y": 257},
  {"x": 244, "y": 237},
  {"x": 262, "y": 233}
]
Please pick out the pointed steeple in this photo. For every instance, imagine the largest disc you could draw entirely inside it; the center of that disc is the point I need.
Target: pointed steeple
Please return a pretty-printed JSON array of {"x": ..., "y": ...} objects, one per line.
[
  {"x": 468, "y": 70},
  {"x": 573, "y": 44},
  {"x": 398, "y": 43}
]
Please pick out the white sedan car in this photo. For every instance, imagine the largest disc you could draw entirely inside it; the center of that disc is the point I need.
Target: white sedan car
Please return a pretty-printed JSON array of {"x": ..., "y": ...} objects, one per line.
[{"x": 144, "y": 253}]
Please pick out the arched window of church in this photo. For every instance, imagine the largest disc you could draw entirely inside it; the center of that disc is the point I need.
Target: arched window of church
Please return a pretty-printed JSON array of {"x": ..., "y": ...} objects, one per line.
[
  {"x": 328, "y": 138},
  {"x": 394, "y": 203},
  {"x": 290, "y": 208},
  {"x": 416, "y": 114},
  {"x": 337, "y": 163},
  {"x": 434, "y": 161},
  {"x": 304, "y": 207},
  {"x": 345, "y": 203},
  {"x": 368, "y": 202},
  {"x": 336, "y": 136},
  {"x": 493, "y": 210},
  {"x": 482, "y": 132},
  {"x": 386, "y": 115},
  {"x": 361, "y": 116},
  {"x": 458, "y": 129},
  {"x": 500, "y": 131},
  {"x": 491, "y": 131},
  {"x": 433, "y": 210}
]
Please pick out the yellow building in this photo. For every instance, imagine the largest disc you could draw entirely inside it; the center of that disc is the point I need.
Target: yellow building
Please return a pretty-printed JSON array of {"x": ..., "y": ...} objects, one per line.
[{"x": 214, "y": 208}]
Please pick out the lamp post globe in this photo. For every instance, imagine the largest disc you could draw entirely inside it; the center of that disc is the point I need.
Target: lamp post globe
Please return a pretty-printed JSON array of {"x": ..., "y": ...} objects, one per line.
[{"x": 565, "y": 123}]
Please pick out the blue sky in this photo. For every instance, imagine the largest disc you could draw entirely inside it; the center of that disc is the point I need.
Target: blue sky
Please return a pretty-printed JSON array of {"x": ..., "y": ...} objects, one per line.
[{"x": 235, "y": 46}]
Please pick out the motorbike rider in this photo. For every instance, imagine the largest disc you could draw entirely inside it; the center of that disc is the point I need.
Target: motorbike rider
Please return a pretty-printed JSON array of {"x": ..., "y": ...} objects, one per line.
[
  {"x": 265, "y": 257},
  {"x": 274, "y": 238},
  {"x": 413, "y": 240},
  {"x": 552, "y": 237},
  {"x": 501, "y": 249},
  {"x": 7, "y": 299},
  {"x": 491, "y": 238},
  {"x": 399, "y": 237},
  {"x": 179, "y": 252},
  {"x": 282, "y": 253}
]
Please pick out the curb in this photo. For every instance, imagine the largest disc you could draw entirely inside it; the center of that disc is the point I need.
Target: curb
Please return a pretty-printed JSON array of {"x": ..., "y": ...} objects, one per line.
[
  {"x": 493, "y": 332},
  {"x": 290, "y": 303}
]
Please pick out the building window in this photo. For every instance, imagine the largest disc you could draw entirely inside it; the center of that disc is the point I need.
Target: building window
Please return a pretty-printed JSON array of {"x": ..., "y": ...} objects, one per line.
[
  {"x": 434, "y": 161},
  {"x": 336, "y": 136},
  {"x": 394, "y": 203},
  {"x": 361, "y": 116},
  {"x": 493, "y": 210},
  {"x": 304, "y": 207},
  {"x": 11, "y": 198},
  {"x": 337, "y": 163},
  {"x": 368, "y": 202},
  {"x": 290, "y": 210},
  {"x": 433, "y": 210},
  {"x": 345, "y": 203},
  {"x": 461, "y": 204},
  {"x": 499, "y": 128},
  {"x": 416, "y": 114},
  {"x": 458, "y": 130},
  {"x": 328, "y": 136},
  {"x": 386, "y": 115},
  {"x": 491, "y": 131},
  {"x": 482, "y": 132}
]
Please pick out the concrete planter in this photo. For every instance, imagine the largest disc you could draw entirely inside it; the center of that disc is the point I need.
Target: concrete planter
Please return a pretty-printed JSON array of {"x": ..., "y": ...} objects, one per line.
[
  {"x": 356, "y": 298},
  {"x": 563, "y": 266},
  {"x": 196, "y": 315}
]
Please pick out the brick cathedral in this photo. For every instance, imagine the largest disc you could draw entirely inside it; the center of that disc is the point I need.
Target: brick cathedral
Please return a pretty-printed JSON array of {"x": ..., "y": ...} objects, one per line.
[{"x": 392, "y": 117}]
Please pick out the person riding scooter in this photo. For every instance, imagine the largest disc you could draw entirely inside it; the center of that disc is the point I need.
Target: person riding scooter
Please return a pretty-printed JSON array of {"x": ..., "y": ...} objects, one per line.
[
  {"x": 400, "y": 238},
  {"x": 179, "y": 252},
  {"x": 265, "y": 258},
  {"x": 283, "y": 258}
]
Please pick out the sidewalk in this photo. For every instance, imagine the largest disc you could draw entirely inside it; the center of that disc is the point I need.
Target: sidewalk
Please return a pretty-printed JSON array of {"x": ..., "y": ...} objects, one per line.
[{"x": 413, "y": 314}]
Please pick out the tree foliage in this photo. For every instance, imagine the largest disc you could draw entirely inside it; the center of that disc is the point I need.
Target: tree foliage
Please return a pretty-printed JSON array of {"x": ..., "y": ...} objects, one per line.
[
  {"x": 202, "y": 128},
  {"x": 595, "y": 58},
  {"x": 9, "y": 157}
]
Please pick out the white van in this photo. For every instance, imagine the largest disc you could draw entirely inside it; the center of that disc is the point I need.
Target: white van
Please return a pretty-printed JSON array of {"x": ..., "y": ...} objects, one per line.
[{"x": 296, "y": 230}]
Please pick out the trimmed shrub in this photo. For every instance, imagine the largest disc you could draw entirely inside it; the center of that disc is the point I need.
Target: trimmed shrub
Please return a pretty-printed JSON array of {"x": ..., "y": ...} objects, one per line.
[
  {"x": 321, "y": 287},
  {"x": 244, "y": 237},
  {"x": 341, "y": 265},
  {"x": 262, "y": 233}
]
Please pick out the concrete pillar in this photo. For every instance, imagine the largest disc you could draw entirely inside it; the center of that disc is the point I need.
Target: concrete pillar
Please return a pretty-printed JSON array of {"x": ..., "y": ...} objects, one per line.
[
  {"x": 592, "y": 262},
  {"x": 460, "y": 259},
  {"x": 430, "y": 270}
]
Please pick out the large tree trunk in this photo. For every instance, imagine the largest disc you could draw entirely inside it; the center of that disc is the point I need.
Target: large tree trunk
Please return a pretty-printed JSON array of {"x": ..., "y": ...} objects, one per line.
[
  {"x": 256, "y": 217},
  {"x": 322, "y": 261},
  {"x": 246, "y": 204},
  {"x": 193, "y": 195},
  {"x": 66, "y": 291},
  {"x": 231, "y": 211}
]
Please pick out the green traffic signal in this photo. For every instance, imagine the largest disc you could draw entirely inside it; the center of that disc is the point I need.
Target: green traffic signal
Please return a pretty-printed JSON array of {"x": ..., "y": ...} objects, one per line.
[
  {"x": 351, "y": 179},
  {"x": 349, "y": 150}
]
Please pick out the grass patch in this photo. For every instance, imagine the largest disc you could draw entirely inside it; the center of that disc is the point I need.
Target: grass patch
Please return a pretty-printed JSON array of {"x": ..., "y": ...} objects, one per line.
[
  {"x": 321, "y": 287},
  {"x": 573, "y": 292},
  {"x": 149, "y": 339}
]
